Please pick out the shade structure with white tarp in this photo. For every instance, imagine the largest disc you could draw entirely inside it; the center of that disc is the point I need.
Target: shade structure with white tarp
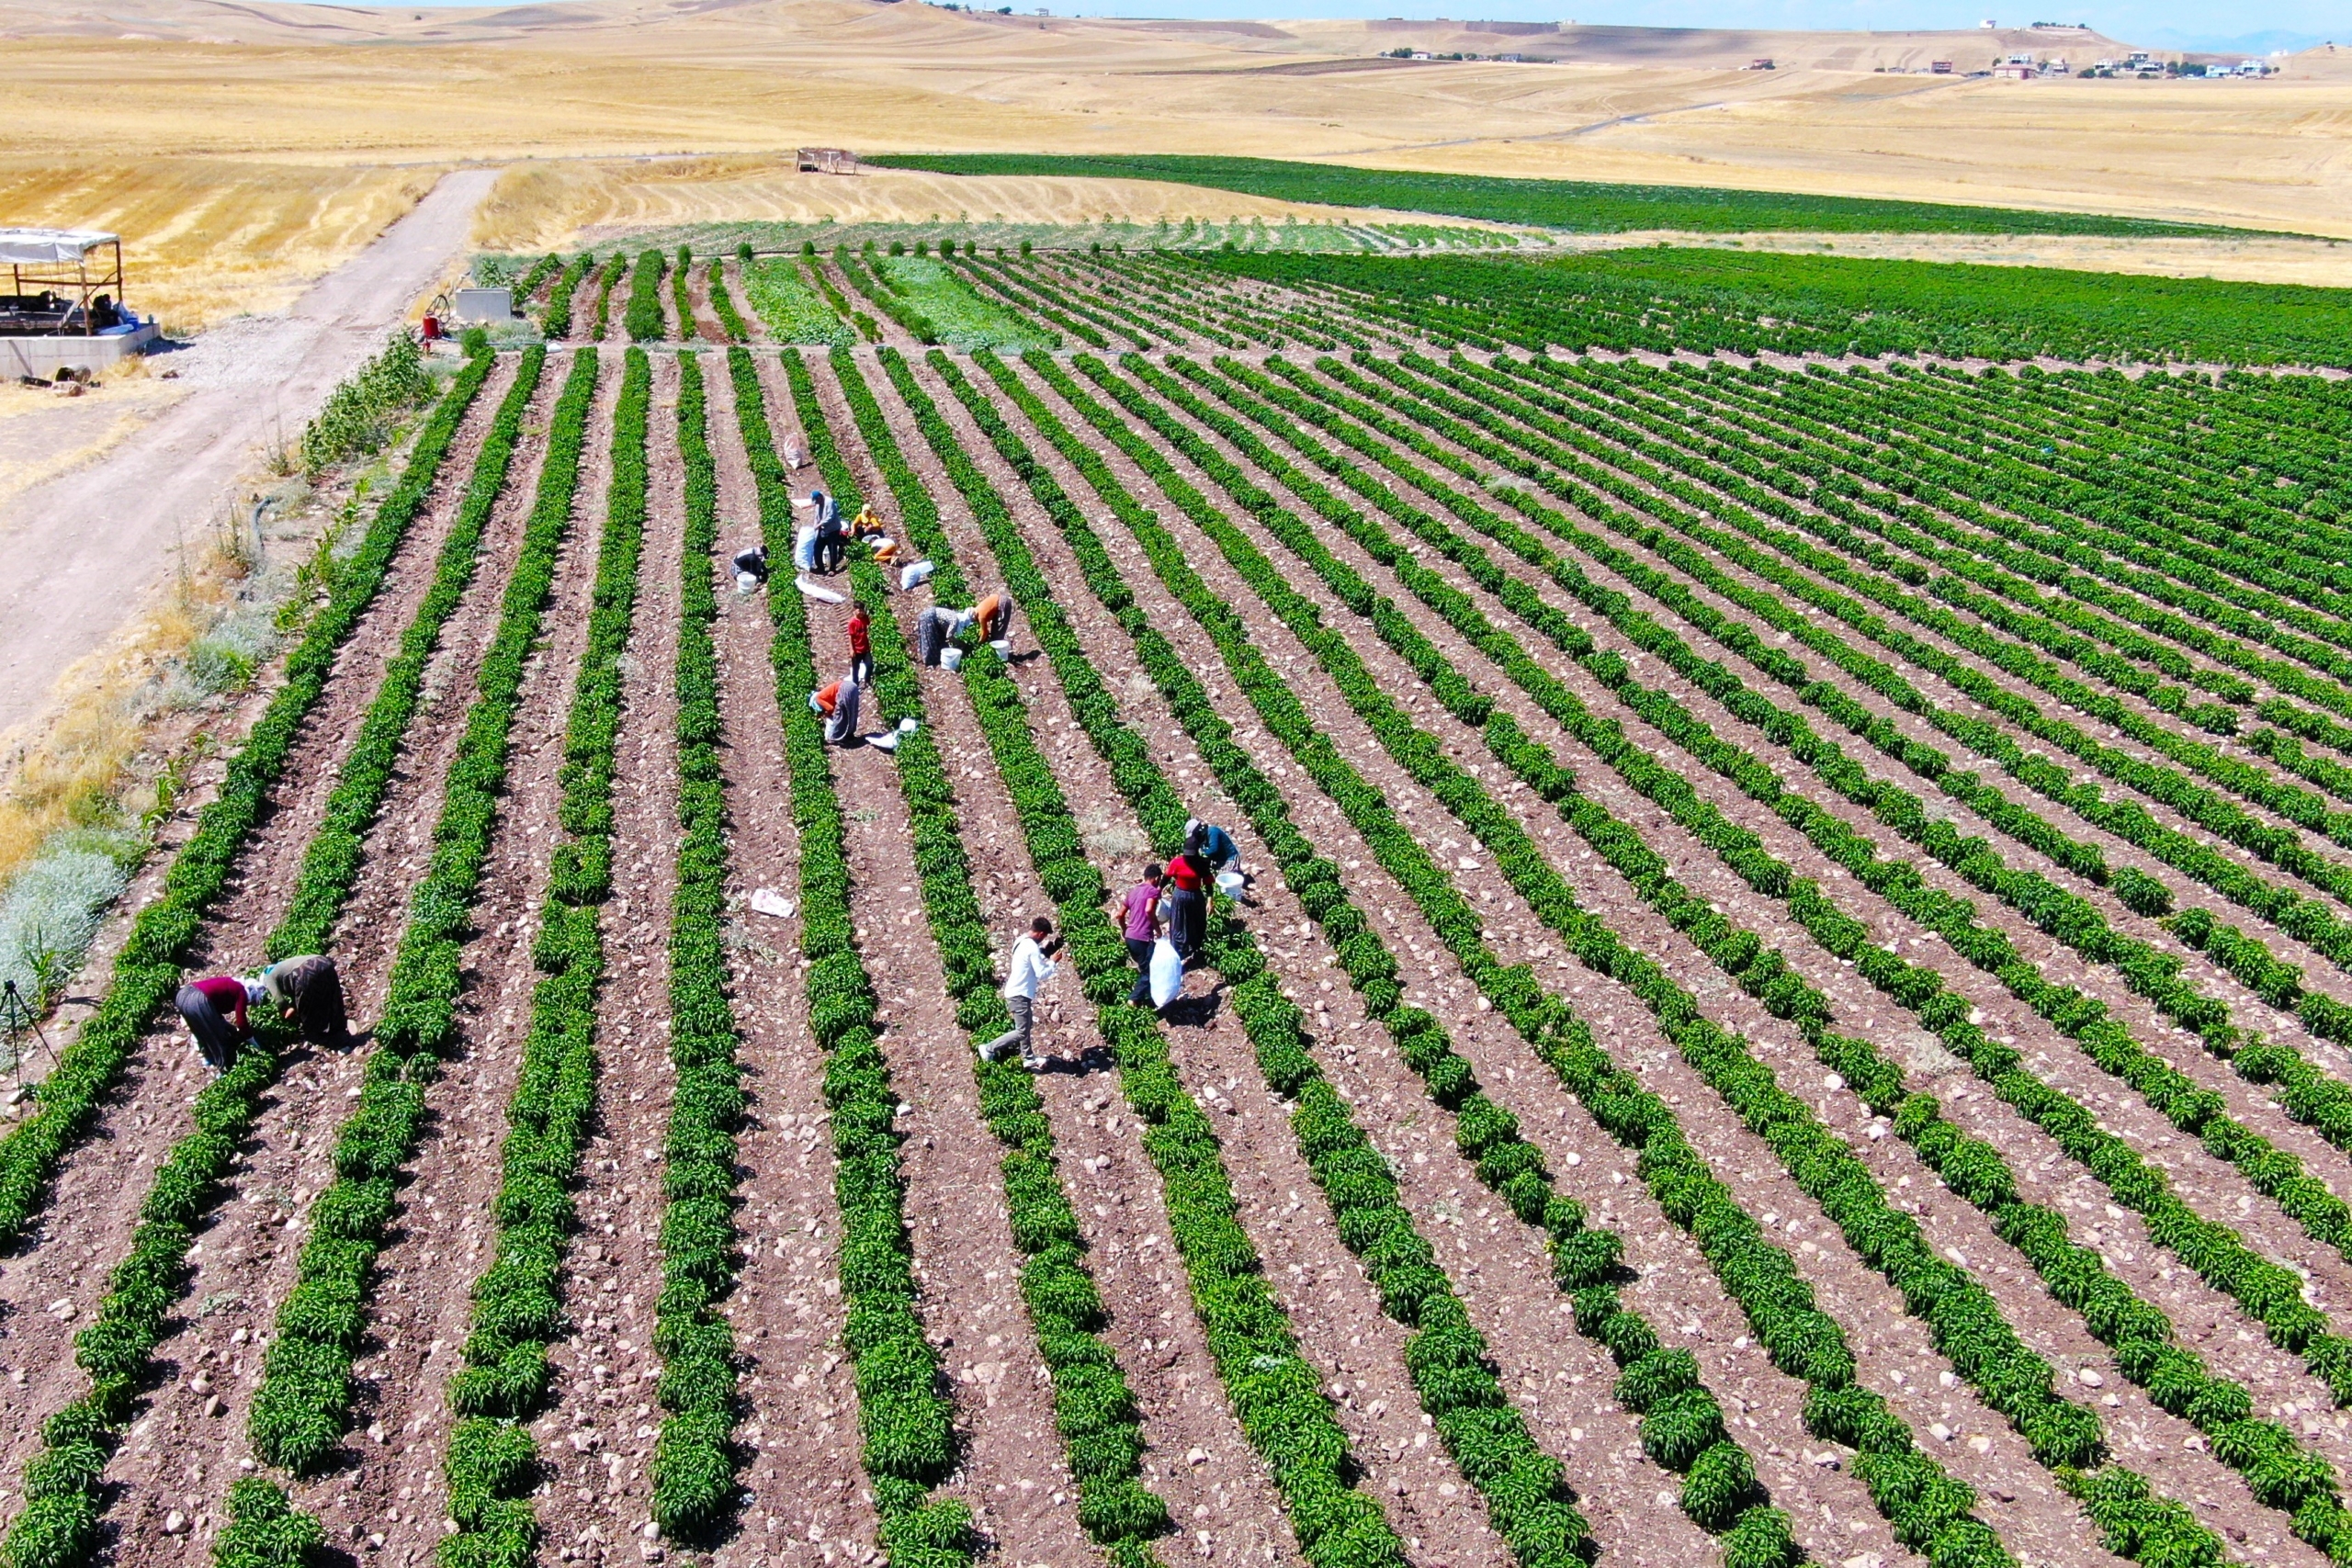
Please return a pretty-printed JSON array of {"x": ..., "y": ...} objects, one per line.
[
  {"x": 63, "y": 305},
  {"x": 61, "y": 280}
]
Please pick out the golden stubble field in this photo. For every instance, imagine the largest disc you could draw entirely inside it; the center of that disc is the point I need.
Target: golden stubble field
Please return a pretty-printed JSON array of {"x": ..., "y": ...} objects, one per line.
[{"x": 245, "y": 149}]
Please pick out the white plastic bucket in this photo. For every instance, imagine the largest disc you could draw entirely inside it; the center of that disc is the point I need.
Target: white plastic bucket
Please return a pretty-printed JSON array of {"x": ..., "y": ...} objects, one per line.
[
  {"x": 915, "y": 572},
  {"x": 1003, "y": 647},
  {"x": 952, "y": 657},
  {"x": 745, "y": 583},
  {"x": 1231, "y": 883}
]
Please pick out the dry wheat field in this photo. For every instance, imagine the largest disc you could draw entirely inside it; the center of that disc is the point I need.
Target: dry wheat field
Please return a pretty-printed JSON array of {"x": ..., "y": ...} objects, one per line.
[{"x": 1791, "y": 1003}]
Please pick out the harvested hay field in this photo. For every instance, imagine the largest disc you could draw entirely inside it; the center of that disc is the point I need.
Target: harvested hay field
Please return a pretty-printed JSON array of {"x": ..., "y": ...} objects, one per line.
[{"x": 1790, "y": 1002}]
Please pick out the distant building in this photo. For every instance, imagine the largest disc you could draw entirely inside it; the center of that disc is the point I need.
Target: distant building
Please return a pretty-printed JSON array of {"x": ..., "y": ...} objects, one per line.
[
  {"x": 1761, "y": 63},
  {"x": 1940, "y": 67},
  {"x": 2011, "y": 71}
]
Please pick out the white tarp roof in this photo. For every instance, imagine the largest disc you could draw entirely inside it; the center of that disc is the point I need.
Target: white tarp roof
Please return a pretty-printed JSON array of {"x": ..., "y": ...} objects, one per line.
[{"x": 46, "y": 247}]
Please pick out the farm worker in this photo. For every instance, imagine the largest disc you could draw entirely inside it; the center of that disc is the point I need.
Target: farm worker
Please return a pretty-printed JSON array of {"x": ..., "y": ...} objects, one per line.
[
  {"x": 1188, "y": 909},
  {"x": 935, "y": 628},
  {"x": 831, "y": 543},
  {"x": 861, "y": 644},
  {"x": 885, "y": 551},
  {"x": 1032, "y": 966},
  {"x": 309, "y": 989},
  {"x": 753, "y": 564},
  {"x": 837, "y": 705},
  {"x": 1141, "y": 927},
  {"x": 864, "y": 523},
  {"x": 1210, "y": 846},
  {"x": 994, "y": 616},
  {"x": 214, "y": 1011}
]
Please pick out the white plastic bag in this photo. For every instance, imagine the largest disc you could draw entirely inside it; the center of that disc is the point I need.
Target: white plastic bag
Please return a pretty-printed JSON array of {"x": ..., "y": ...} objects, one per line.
[
  {"x": 822, "y": 595},
  {"x": 803, "y": 547},
  {"x": 916, "y": 571},
  {"x": 1166, "y": 974}
]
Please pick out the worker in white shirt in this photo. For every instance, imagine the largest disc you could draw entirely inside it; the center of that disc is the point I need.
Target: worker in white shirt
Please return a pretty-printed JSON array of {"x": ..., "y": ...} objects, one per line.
[{"x": 1032, "y": 966}]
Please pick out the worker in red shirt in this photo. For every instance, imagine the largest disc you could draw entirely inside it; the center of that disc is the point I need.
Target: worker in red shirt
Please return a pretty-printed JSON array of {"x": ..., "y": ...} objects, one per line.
[
  {"x": 861, "y": 644},
  {"x": 214, "y": 1010}
]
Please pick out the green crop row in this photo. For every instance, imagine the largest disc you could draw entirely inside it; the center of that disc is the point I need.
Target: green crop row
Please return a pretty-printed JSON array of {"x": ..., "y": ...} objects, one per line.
[
  {"x": 302, "y": 1406},
  {"x": 867, "y": 328},
  {"x": 643, "y": 322},
  {"x": 1274, "y": 1394},
  {"x": 875, "y": 285},
  {"x": 331, "y": 863},
  {"x": 614, "y": 270},
  {"x": 694, "y": 1457},
  {"x": 1762, "y": 1278},
  {"x": 2267, "y": 1290},
  {"x": 722, "y": 299},
  {"x": 1024, "y": 295},
  {"x": 147, "y": 971},
  {"x": 681, "y": 300},
  {"x": 541, "y": 269},
  {"x": 555, "y": 321},
  {"x": 1094, "y": 1406},
  {"x": 363, "y": 411},
  {"x": 492, "y": 1462},
  {"x": 1682, "y": 1426},
  {"x": 904, "y": 1412},
  {"x": 2073, "y": 920},
  {"x": 1964, "y": 1163},
  {"x": 2306, "y": 918},
  {"x": 65, "y": 1500}
]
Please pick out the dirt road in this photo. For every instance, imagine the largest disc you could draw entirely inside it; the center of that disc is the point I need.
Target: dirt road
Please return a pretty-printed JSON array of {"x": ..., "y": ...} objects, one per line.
[{"x": 85, "y": 549}]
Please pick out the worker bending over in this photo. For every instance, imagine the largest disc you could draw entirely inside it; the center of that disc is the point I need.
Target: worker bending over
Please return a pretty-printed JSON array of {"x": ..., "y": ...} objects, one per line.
[
  {"x": 214, "y": 1011},
  {"x": 751, "y": 567},
  {"x": 309, "y": 990},
  {"x": 992, "y": 616},
  {"x": 934, "y": 629},
  {"x": 837, "y": 705}
]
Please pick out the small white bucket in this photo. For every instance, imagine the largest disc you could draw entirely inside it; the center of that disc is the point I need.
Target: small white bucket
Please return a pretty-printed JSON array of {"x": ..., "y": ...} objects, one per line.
[
  {"x": 745, "y": 583},
  {"x": 953, "y": 658},
  {"x": 1003, "y": 647}
]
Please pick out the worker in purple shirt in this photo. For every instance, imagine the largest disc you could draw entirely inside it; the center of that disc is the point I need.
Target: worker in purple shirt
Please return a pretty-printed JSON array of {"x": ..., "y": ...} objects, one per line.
[{"x": 1140, "y": 926}]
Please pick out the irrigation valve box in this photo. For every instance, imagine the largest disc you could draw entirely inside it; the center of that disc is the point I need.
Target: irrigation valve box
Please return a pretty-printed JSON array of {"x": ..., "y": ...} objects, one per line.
[{"x": 484, "y": 305}]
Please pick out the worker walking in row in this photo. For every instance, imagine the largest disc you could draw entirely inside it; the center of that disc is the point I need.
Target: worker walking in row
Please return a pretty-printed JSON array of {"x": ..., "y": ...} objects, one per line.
[
  {"x": 837, "y": 705},
  {"x": 1032, "y": 966},
  {"x": 861, "y": 644},
  {"x": 1139, "y": 925}
]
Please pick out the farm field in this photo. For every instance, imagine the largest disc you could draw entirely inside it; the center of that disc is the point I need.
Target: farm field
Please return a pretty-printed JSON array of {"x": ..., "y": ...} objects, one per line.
[{"x": 1793, "y": 1004}]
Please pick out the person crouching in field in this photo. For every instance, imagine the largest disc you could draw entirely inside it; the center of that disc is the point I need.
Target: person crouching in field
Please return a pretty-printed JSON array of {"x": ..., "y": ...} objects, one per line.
[
  {"x": 214, "y": 1011},
  {"x": 309, "y": 989},
  {"x": 837, "y": 705}
]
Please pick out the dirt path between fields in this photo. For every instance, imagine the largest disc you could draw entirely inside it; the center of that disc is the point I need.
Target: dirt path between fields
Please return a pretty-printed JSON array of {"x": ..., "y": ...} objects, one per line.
[{"x": 88, "y": 547}]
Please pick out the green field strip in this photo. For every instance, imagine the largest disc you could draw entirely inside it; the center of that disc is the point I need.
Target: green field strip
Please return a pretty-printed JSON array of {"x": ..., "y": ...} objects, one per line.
[
  {"x": 302, "y": 1406},
  {"x": 556, "y": 317},
  {"x": 2062, "y": 1443},
  {"x": 2268, "y": 1293},
  {"x": 1003, "y": 283},
  {"x": 1583, "y": 206},
  {"x": 614, "y": 270},
  {"x": 2308, "y": 1095},
  {"x": 2054, "y": 548},
  {"x": 643, "y": 319},
  {"x": 1094, "y": 1406},
  {"x": 1929, "y": 1508},
  {"x": 493, "y": 1464},
  {"x": 63, "y": 1483}
]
